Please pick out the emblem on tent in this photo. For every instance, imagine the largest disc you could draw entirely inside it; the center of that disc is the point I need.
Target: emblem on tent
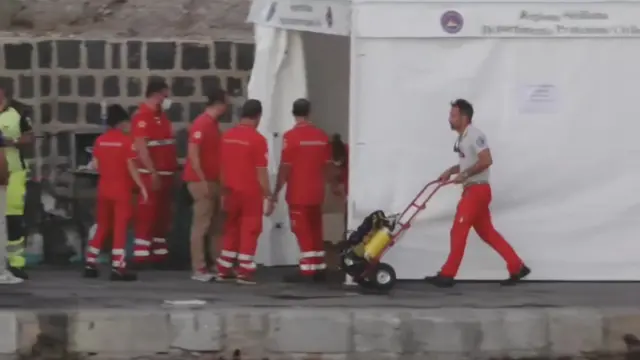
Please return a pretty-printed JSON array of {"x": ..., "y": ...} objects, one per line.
[
  {"x": 451, "y": 22},
  {"x": 272, "y": 11},
  {"x": 329, "y": 17}
]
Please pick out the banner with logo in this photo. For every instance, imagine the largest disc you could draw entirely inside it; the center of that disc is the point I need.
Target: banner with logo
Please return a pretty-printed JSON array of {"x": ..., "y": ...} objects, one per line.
[
  {"x": 319, "y": 16},
  {"x": 499, "y": 20}
]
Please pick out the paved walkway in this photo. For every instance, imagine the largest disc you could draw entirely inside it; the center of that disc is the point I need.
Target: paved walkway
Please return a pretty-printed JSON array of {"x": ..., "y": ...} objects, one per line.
[{"x": 65, "y": 289}]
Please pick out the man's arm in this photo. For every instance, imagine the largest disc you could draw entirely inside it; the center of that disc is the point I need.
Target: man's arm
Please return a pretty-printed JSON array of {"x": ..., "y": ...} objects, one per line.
[
  {"x": 285, "y": 164},
  {"x": 133, "y": 171},
  {"x": 261, "y": 160},
  {"x": 453, "y": 170},
  {"x": 481, "y": 148},
  {"x": 283, "y": 176},
  {"x": 140, "y": 134},
  {"x": 193, "y": 150}
]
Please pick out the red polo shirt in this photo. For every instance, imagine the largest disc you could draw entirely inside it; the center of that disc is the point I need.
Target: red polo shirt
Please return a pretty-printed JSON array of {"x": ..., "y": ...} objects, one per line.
[
  {"x": 154, "y": 126},
  {"x": 205, "y": 133},
  {"x": 243, "y": 150},
  {"x": 112, "y": 150},
  {"x": 306, "y": 149}
]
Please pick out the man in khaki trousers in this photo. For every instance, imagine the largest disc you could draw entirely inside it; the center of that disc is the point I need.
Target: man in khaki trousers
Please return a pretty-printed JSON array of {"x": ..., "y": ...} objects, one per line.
[{"x": 201, "y": 173}]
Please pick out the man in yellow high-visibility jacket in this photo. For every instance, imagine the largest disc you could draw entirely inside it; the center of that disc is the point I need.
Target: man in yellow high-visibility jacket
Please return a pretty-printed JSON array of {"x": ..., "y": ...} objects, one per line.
[{"x": 16, "y": 132}]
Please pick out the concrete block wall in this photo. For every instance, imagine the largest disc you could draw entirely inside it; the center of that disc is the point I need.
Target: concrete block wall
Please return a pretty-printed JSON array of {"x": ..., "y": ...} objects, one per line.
[
  {"x": 64, "y": 80},
  {"x": 327, "y": 333}
]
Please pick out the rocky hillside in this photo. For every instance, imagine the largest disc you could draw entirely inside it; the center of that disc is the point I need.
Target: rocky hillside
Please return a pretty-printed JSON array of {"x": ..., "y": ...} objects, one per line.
[{"x": 126, "y": 18}]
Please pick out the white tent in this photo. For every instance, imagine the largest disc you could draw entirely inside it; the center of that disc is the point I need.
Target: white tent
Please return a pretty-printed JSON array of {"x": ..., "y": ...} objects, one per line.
[{"x": 554, "y": 85}]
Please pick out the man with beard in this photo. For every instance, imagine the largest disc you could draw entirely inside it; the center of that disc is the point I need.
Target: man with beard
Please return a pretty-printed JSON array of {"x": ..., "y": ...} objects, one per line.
[{"x": 473, "y": 209}]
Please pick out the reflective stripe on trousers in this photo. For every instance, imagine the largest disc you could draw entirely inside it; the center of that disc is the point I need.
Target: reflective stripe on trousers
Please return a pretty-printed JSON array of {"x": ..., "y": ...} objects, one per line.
[
  {"x": 15, "y": 251},
  {"x": 312, "y": 261},
  {"x": 227, "y": 260},
  {"x": 158, "y": 247}
]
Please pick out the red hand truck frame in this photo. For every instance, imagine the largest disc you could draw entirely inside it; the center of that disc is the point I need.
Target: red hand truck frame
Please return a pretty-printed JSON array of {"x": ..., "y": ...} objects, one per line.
[{"x": 401, "y": 225}]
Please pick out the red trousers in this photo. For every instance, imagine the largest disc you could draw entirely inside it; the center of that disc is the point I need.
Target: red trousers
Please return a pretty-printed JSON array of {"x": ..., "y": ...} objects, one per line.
[
  {"x": 153, "y": 221},
  {"x": 113, "y": 218},
  {"x": 241, "y": 230},
  {"x": 306, "y": 225},
  {"x": 473, "y": 211}
]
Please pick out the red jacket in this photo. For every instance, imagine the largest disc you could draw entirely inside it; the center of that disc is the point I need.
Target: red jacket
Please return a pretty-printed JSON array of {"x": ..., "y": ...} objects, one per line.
[
  {"x": 112, "y": 150},
  {"x": 154, "y": 126},
  {"x": 307, "y": 151},
  {"x": 243, "y": 150}
]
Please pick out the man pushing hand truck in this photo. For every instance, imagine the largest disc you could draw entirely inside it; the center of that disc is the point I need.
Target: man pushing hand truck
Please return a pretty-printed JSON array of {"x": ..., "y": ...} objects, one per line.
[
  {"x": 378, "y": 232},
  {"x": 473, "y": 208}
]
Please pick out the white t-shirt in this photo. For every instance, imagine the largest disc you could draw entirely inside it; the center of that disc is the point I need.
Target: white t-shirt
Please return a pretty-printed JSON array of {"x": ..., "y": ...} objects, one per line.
[{"x": 468, "y": 146}]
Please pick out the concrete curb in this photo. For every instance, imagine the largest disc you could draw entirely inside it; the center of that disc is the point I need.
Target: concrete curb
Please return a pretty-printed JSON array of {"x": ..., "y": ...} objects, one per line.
[{"x": 325, "y": 333}]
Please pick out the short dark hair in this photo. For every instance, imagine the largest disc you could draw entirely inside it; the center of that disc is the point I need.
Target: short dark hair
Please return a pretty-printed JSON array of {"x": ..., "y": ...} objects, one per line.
[
  {"x": 251, "y": 109},
  {"x": 116, "y": 114},
  {"x": 155, "y": 86},
  {"x": 464, "y": 107},
  {"x": 216, "y": 96},
  {"x": 301, "y": 108}
]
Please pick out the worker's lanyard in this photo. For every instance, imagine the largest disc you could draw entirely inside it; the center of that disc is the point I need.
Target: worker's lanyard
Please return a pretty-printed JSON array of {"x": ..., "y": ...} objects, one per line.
[{"x": 456, "y": 145}]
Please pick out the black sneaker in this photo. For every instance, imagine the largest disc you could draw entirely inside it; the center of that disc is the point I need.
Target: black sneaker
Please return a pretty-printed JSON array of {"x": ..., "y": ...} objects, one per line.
[
  {"x": 517, "y": 277},
  {"x": 90, "y": 272},
  {"x": 122, "y": 275},
  {"x": 19, "y": 272},
  {"x": 440, "y": 281}
]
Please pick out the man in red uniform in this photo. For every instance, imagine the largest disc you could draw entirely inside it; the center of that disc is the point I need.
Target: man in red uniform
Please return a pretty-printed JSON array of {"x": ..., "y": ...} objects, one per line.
[
  {"x": 245, "y": 183},
  {"x": 201, "y": 174},
  {"x": 473, "y": 209},
  {"x": 305, "y": 167},
  {"x": 114, "y": 156},
  {"x": 157, "y": 162}
]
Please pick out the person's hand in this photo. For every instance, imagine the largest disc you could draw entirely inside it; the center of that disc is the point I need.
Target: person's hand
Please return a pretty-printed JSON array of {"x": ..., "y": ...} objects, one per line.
[
  {"x": 8, "y": 141},
  {"x": 208, "y": 191},
  {"x": 144, "y": 194},
  {"x": 271, "y": 206},
  {"x": 460, "y": 178},
  {"x": 445, "y": 176},
  {"x": 155, "y": 181}
]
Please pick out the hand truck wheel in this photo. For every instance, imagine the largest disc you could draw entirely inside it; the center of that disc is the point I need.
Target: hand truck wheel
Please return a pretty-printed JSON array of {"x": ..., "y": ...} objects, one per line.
[{"x": 383, "y": 277}]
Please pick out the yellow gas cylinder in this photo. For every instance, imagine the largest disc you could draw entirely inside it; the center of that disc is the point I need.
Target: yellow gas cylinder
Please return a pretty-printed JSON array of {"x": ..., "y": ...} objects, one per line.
[
  {"x": 359, "y": 249},
  {"x": 377, "y": 244}
]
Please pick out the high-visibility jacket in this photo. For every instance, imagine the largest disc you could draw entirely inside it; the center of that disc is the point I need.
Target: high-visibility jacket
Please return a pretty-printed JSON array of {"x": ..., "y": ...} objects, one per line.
[{"x": 13, "y": 124}]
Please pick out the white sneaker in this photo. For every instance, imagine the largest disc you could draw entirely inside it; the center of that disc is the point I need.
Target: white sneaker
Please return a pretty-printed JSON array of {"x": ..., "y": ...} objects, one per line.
[
  {"x": 7, "y": 278},
  {"x": 202, "y": 276}
]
